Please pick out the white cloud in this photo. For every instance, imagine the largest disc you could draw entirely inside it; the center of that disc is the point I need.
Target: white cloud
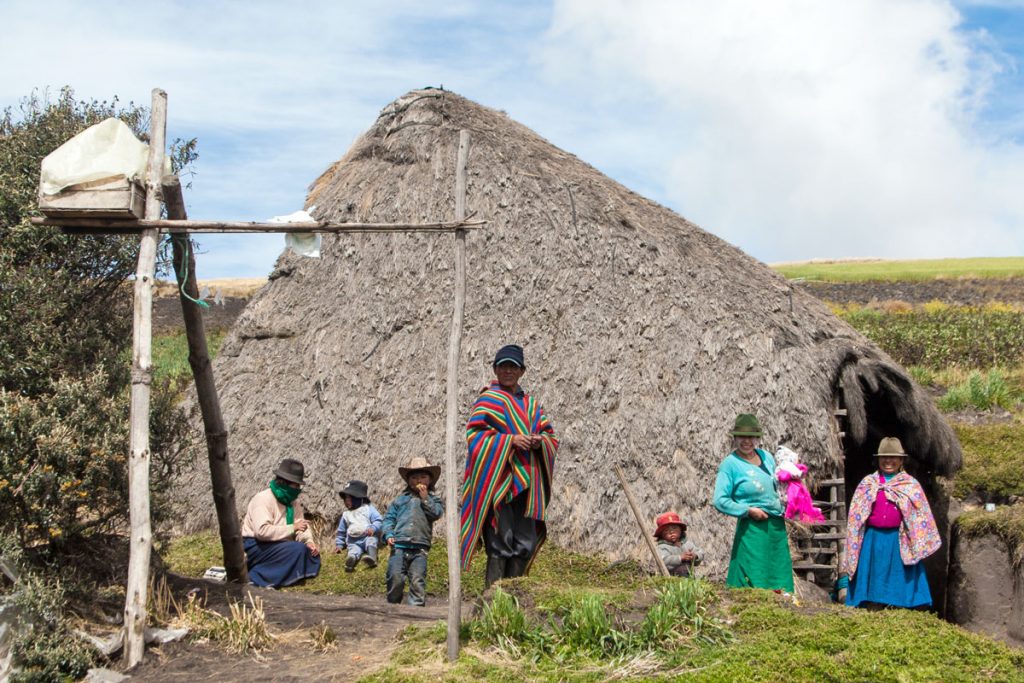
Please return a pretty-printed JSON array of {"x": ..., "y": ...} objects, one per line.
[{"x": 809, "y": 128}]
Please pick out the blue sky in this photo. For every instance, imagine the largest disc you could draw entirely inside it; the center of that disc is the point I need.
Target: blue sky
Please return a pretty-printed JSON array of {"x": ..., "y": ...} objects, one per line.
[{"x": 794, "y": 129}]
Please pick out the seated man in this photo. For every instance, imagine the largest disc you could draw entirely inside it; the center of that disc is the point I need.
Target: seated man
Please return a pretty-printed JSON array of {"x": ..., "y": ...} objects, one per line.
[{"x": 279, "y": 547}]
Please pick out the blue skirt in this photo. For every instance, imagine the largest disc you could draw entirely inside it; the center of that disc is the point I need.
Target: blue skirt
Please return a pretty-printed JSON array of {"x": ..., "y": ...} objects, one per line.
[
  {"x": 883, "y": 578},
  {"x": 279, "y": 563}
]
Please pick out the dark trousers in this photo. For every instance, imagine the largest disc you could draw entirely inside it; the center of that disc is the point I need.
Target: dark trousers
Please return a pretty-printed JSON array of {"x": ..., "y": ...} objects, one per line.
[
  {"x": 516, "y": 535},
  {"x": 408, "y": 563}
]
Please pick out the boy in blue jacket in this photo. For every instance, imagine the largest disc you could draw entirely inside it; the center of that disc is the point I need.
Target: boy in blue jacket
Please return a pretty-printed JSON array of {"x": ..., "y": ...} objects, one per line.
[{"x": 408, "y": 529}]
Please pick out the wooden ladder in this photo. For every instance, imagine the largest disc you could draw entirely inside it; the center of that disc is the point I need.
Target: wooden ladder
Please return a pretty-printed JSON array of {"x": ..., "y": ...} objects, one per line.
[{"x": 822, "y": 550}]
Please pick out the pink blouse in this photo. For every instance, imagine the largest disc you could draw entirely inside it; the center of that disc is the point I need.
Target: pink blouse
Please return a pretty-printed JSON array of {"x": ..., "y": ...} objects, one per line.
[{"x": 884, "y": 513}]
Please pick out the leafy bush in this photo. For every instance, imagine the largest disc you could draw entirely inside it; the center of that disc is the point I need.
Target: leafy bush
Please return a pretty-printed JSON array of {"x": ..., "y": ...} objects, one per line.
[
  {"x": 973, "y": 337},
  {"x": 979, "y": 391}
]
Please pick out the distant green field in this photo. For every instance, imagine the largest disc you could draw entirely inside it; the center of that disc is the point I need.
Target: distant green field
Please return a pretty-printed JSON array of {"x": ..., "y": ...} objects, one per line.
[{"x": 860, "y": 271}]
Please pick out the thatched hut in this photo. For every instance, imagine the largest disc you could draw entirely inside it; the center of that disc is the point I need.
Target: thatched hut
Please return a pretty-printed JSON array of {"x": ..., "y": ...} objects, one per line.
[{"x": 644, "y": 336}]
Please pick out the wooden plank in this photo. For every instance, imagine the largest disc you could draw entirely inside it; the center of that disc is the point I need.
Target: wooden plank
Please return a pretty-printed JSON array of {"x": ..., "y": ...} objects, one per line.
[
  {"x": 118, "y": 199},
  {"x": 644, "y": 531},
  {"x": 142, "y": 372},
  {"x": 839, "y": 412},
  {"x": 96, "y": 225},
  {"x": 832, "y": 482},
  {"x": 810, "y": 565},
  {"x": 817, "y": 551},
  {"x": 452, "y": 432},
  {"x": 828, "y": 537},
  {"x": 206, "y": 392}
]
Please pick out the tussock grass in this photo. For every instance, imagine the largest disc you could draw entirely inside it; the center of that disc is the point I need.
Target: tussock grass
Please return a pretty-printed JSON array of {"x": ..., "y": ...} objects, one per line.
[
  {"x": 890, "y": 271},
  {"x": 981, "y": 391},
  {"x": 1006, "y": 522}
]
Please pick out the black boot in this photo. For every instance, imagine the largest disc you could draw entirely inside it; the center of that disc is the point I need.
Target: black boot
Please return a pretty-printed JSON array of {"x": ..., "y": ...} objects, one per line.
[
  {"x": 495, "y": 570},
  {"x": 515, "y": 566}
]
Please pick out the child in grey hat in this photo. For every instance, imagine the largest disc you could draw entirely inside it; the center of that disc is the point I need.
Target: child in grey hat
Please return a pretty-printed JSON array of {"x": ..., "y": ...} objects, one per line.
[{"x": 358, "y": 527}]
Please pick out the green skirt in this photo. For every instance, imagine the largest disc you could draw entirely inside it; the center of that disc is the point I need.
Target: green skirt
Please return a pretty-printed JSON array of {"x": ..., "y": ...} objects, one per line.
[{"x": 760, "y": 555}]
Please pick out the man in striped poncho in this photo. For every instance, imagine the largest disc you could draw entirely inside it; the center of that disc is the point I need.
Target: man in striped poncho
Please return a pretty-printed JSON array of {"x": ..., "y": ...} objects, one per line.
[{"x": 509, "y": 463}]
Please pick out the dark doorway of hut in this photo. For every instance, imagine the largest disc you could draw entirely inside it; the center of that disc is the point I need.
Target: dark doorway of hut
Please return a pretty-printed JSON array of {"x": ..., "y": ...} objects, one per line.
[{"x": 858, "y": 461}]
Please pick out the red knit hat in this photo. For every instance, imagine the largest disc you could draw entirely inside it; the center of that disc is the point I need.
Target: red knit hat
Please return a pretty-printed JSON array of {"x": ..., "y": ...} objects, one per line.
[{"x": 665, "y": 519}]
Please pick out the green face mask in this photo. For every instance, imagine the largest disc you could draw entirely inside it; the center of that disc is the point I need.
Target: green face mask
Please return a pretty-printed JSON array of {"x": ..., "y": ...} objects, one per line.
[{"x": 285, "y": 495}]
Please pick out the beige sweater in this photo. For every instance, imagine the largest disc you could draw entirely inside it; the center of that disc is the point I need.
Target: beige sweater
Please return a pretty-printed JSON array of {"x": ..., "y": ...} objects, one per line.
[{"x": 265, "y": 520}]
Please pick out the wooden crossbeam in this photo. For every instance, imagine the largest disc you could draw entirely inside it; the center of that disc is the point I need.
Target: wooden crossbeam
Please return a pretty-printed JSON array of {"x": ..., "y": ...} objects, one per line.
[{"x": 114, "y": 226}]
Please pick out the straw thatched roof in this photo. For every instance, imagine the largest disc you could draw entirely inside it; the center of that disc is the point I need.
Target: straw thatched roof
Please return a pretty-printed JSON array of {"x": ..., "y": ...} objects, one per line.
[{"x": 644, "y": 336}]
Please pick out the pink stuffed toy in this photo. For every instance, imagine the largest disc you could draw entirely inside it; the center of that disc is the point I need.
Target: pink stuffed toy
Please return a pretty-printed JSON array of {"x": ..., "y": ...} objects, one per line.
[{"x": 799, "y": 504}]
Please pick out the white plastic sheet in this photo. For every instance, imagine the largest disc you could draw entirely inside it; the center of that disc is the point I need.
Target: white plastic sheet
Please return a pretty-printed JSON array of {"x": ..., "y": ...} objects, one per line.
[
  {"x": 107, "y": 151},
  {"x": 301, "y": 243}
]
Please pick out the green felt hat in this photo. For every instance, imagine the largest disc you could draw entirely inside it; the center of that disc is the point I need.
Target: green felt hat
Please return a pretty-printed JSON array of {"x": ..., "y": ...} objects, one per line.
[{"x": 746, "y": 425}]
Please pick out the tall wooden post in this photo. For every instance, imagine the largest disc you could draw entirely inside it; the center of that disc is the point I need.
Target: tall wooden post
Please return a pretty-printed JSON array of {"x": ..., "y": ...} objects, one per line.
[
  {"x": 453, "y": 442},
  {"x": 639, "y": 516},
  {"x": 206, "y": 391},
  {"x": 142, "y": 375}
]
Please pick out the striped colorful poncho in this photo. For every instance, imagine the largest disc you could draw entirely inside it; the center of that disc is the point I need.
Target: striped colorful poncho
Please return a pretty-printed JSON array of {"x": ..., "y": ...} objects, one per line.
[{"x": 496, "y": 472}]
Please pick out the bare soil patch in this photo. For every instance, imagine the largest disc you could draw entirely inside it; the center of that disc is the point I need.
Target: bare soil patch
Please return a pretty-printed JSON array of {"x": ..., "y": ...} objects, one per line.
[
  {"x": 167, "y": 314},
  {"x": 367, "y": 629},
  {"x": 963, "y": 292}
]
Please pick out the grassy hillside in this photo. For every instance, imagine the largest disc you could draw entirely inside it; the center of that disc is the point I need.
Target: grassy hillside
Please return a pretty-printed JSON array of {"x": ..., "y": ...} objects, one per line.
[{"x": 924, "y": 269}]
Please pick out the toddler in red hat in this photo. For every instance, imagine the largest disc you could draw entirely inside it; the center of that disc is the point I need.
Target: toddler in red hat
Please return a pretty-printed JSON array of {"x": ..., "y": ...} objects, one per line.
[{"x": 679, "y": 554}]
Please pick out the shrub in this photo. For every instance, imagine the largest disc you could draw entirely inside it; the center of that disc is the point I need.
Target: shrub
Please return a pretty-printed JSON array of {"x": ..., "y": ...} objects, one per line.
[{"x": 979, "y": 391}]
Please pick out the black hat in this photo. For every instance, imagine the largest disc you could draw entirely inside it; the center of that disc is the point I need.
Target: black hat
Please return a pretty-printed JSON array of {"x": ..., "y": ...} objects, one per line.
[
  {"x": 356, "y": 489},
  {"x": 510, "y": 353},
  {"x": 290, "y": 470}
]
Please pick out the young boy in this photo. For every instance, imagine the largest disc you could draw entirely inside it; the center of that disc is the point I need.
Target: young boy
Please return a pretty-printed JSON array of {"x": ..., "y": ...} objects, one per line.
[
  {"x": 408, "y": 528},
  {"x": 678, "y": 554},
  {"x": 358, "y": 526}
]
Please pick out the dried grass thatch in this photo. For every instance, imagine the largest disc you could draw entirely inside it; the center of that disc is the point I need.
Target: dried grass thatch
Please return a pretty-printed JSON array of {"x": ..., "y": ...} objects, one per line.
[{"x": 644, "y": 336}]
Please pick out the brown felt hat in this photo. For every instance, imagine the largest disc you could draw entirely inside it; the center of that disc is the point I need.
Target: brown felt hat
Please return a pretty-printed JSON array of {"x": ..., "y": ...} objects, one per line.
[
  {"x": 291, "y": 470},
  {"x": 420, "y": 465},
  {"x": 891, "y": 448}
]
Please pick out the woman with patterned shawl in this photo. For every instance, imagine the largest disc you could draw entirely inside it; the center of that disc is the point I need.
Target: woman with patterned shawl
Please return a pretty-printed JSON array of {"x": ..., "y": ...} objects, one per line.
[
  {"x": 889, "y": 530},
  {"x": 509, "y": 463},
  {"x": 745, "y": 488}
]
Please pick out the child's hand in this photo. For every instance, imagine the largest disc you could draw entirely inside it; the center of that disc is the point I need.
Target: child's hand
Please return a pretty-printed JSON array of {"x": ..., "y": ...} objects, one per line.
[
  {"x": 313, "y": 550},
  {"x": 688, "y": 556},
  {"x": 337, "y": 550},
  {"x": 391, "y": 541},
  {"x": 421, "y": 489},
  {"x": 369, "y": 532}
]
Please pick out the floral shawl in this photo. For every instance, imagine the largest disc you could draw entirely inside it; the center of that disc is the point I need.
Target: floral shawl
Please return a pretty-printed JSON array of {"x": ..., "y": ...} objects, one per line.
[{"x": 919, "y": 537}]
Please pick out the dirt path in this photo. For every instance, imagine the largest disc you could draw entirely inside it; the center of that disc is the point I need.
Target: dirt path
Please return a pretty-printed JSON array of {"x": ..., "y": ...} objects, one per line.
[{"x": 367, "y": 630}]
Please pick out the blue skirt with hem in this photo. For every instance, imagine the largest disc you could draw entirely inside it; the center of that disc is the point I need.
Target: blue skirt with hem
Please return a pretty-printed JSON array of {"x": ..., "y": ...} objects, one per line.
[
  {"x": 279, "y": 563},
  {"x": 883, "y": 578}
]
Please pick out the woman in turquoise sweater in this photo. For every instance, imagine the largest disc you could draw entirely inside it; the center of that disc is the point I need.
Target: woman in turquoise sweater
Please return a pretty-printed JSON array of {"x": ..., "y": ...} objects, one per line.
[{"x": 746, "y": 488}]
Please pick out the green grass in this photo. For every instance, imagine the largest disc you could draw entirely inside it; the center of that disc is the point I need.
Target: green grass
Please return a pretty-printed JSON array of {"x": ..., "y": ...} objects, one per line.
[
  {"x": 860, "y": 271},
  {"x": 771, "y": 640},
  {"x": 993, "y": 460},
  {"x": 170, "y": 355}
]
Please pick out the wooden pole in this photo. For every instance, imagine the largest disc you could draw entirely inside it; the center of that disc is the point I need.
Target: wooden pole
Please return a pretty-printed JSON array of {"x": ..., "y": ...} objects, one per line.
[
  {"x": 644, "y": 531},
  {"x": 206, "y": 392},
  {"x": 114, "y": 225},
  {"x": 142, "y": 374},
  {"x": 452, "y": 441}
]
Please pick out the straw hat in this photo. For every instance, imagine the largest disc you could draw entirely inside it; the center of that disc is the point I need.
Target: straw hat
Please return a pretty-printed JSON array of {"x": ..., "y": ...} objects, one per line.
[{"x": 420, "y": 465}]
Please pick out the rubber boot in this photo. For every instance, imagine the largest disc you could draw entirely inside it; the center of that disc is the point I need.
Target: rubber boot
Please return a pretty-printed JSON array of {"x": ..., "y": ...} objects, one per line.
[
  {"x": 495, "y": 570},
  {"x": 371, "y": 556},
  {"x": 515, "y": 566}
]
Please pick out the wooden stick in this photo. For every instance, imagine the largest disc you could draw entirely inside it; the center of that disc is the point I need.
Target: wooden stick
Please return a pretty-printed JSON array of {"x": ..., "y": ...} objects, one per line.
[
  {"x": 451, "y": 428},
  {"x": 644, "y": 531},
  {"x": 142, "y": 374},
  {"x": 190, "y": 226},
  {"x": 206, "y": 392}
]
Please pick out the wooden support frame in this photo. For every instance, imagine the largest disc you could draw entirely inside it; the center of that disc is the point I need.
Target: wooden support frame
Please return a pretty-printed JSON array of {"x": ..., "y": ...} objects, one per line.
[
  {"x": 142, "y": 375},
  {"x": 452, "y": 434},
  {"x": 128, "y": 227},
  {"x": 168, "y": 190},
  {"x": 644, "y": 531}
]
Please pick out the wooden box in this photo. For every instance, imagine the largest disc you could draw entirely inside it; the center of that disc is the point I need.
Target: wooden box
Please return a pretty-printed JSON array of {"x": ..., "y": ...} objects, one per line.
[{"x": 118, "y": 198}]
